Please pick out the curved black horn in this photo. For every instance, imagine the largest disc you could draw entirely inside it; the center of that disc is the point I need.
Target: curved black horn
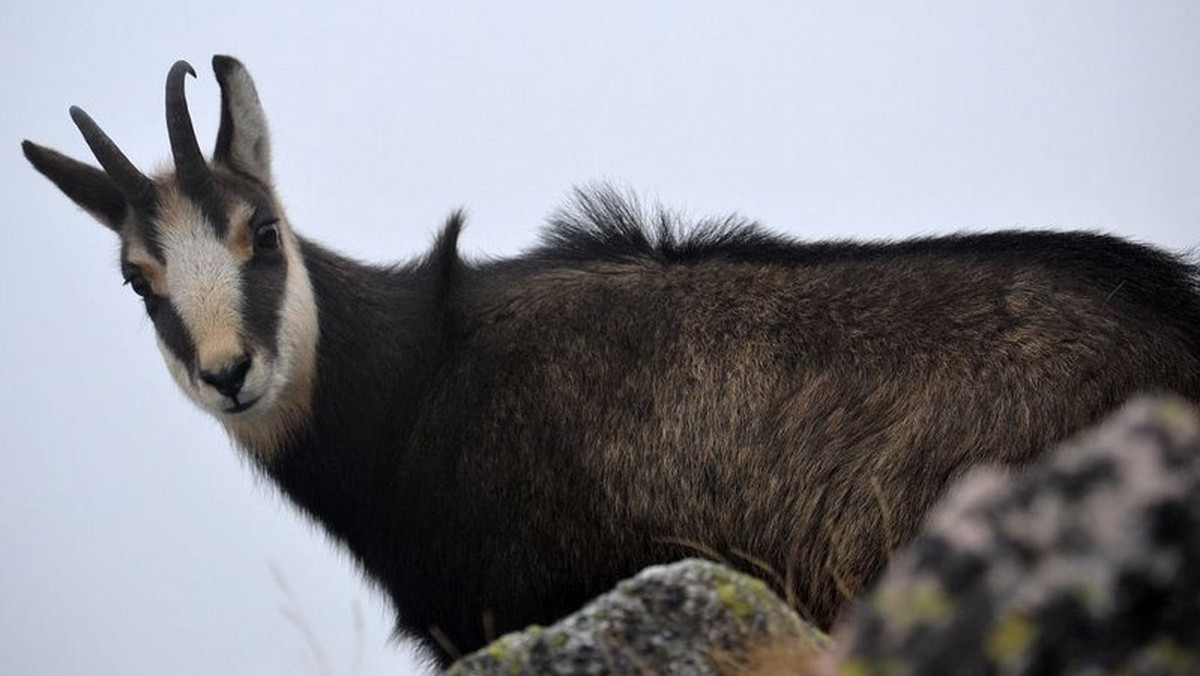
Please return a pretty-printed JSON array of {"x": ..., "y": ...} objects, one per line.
[
  {"x": 190, "y": 167},
  {"x": 133, "y": 184}
]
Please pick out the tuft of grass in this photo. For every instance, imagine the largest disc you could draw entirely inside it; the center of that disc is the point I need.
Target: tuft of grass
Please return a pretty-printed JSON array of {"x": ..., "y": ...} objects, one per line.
[
  {"x": 785, "y": 655},
  {"x": 315, "y": 658}
]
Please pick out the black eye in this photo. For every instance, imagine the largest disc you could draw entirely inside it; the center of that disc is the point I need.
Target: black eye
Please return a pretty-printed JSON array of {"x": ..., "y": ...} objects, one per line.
[
  {"x": 139, "y": 284},
  {"x": 266, "y": 236}
]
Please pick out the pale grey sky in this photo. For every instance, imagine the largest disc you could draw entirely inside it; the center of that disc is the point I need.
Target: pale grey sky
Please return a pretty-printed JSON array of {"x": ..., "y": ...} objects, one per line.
[{"x": 134, "y": 538}]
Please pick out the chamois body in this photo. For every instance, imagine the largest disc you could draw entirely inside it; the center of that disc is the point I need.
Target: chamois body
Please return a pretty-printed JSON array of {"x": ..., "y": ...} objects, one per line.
[
  {"x": 496, "y": 442},
  {"x": 554, "y": 423}
]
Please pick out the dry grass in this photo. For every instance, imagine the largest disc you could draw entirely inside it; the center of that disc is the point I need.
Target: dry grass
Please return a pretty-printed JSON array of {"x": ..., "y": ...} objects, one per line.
[
  {"x": 315, "y": 658},
  {"x": 779, "y": 656}
]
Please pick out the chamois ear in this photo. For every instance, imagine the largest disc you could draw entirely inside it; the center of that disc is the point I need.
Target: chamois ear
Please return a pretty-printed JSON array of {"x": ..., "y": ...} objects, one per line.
[
  {"x": 86, "y": 185},
  {"x": 243, "y": 143}
]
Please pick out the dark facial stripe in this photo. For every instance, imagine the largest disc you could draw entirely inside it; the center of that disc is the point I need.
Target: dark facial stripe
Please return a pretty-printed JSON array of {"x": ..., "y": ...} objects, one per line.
[
  {"x": 216, "y": 196},
  {"x": 145, "y": 224},
  {"x": 264, "y": 276},
  {"x": 172, "y": 331},
  {"x": 212, "y": 205},
  {"x": 264, "y": 281},
  {"x": 147, "y": 236}
]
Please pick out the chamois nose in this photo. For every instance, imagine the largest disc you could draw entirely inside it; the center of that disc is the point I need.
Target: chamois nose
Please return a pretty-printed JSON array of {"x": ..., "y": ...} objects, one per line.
[{"x": 228, "y": 381}]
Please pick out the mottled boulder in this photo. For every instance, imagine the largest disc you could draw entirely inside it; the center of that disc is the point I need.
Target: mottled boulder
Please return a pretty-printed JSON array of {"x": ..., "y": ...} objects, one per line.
[
  {"x": 1087, "y": 563},
  {"x": 691, "y": 617}
]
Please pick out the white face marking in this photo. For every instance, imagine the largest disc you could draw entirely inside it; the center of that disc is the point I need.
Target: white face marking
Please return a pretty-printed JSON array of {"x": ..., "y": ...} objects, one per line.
[{"x": 203, "y": 285}]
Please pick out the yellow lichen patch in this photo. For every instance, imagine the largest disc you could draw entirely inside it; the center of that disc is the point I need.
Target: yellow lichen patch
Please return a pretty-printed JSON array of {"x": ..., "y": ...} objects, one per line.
[
  {"x": 857, "y": 666},
  {"x": 1093, "y": 595},
  {"x": 739, "y": 603},
  {"x": 1171, "y": 657},
  {"x": 924, "y": 601},
  {"x": 499, "y": 650},
  {"x": 1176, "y": 417},
  {"x": 502, "y": 652},
  {"x": 1009, "y": 639},
  {"x": 744, "y": 596}
]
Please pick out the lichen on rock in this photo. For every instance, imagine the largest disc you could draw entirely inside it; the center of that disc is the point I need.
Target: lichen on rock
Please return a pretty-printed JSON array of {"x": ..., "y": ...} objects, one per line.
[
  {"x": 1084, "y": 563},
  {"x": 690, "y": 617}
]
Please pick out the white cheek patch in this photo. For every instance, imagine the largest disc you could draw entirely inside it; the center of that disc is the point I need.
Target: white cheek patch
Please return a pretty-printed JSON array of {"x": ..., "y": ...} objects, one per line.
[{"x": 298, "y": 328}]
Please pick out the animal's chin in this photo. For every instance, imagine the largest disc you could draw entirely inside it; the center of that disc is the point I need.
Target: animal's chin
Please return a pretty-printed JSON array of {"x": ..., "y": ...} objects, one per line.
[{"x": 240, "y": 407}]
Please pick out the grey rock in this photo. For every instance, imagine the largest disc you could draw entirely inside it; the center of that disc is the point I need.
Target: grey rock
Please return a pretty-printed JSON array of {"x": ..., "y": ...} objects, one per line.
[
  {"x": 1087, "y": 563},
  {"x": 682, "y": 618}
]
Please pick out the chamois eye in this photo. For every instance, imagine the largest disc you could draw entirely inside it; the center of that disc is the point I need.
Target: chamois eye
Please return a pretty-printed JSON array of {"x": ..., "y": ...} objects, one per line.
[
  {"x": 139, "y": 284},
  {"x": 266, "y": 237}
]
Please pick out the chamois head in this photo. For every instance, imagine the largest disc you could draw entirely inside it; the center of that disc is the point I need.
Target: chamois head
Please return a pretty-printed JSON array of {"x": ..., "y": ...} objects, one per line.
[{"x": 209, "y": 251}]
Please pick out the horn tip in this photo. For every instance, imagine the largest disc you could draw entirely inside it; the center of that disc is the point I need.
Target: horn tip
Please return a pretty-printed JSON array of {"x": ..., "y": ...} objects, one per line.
[{"x": 185, "y": 67}]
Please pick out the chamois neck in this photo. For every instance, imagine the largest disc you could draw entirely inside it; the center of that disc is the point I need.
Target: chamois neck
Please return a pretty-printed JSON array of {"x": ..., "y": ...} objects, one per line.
[{"x": 380, "y": 340}]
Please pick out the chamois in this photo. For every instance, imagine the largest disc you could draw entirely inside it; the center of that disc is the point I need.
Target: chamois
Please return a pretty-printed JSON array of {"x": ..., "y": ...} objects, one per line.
[{"x": 496, "y": 442}]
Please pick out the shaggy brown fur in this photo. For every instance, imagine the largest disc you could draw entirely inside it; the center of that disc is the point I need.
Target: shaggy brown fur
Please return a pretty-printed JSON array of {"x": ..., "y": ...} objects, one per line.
[{"x": 498, "y": 442}]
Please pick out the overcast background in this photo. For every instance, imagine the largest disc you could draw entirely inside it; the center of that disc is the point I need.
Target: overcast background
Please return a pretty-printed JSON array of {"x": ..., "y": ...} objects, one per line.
[{"x": 133, "y": 539}]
